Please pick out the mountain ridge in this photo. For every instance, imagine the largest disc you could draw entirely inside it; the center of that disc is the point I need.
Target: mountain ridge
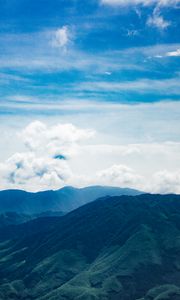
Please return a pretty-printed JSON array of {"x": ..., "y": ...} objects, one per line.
[
  {"x": 65, "y": 199},
  {"x": 113, "y": 248}
]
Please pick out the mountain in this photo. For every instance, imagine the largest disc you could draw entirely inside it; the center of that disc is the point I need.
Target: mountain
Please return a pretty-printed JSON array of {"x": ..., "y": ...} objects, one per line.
[
  {"x": 8, "y": 219},
  {"x": 63, "y": 200},
  {"x": 115, "y": 248},
  {"x": 13, "y": 218}
]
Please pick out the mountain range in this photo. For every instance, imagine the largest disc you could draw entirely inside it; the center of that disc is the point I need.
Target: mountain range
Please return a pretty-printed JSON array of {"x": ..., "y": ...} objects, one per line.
[
  {"x": 114, "y": 248},
  {"x": 62, "y": 200}
]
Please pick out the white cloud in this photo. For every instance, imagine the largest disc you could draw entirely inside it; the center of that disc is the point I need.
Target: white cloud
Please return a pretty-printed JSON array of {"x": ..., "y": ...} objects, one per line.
[
  {"x": 119, "y": 175},
  {"x": 108, "y": 73},
  {"x": 41, "y": 57},
  {"x": 165, "y": 182},
  {"x": 173, "y": 53},
  {"x": 158, "y": 22},
  {"x": 140, "y": 2},
  {"x": 166, "y": 86},
  {"x": 61, "y": 37},
  {"x": 44, "y": 166},
  {"x": 57, "y": 139},
  {"x": 123, "y": 152},
  {"x": 7, "y": 78},
  {"x": 30, "y": 172}
]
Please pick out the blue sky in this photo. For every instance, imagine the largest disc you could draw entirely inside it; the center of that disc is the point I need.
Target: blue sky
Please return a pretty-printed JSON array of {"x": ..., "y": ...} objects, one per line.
[
  {"x": 104, "y": 44},
  {"x": 111, "y": 66}
]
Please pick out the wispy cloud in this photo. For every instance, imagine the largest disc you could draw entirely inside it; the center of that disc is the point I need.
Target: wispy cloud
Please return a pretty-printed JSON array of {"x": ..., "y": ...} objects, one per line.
[
  {"x": 132, "y": 32},
  {"x": 173, "y": 53},
  {"x": 22, "y": 53},
  {"x": 61, "y": 37},
  {"x": 166, "y": 86},
  {"x": 8, "y": 78},
  {"x": 140, "y": 2},
  {"x": 51, "y": 60},
  {"x": 158, "y": 22}
]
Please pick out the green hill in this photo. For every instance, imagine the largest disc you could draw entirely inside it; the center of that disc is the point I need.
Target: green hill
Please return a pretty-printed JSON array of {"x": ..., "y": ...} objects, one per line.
[{"x": 115, "y": 248}]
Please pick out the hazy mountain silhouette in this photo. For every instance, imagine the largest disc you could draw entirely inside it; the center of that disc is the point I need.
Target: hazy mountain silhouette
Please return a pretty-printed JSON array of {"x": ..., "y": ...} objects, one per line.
[{"x": 63, "y": 200}]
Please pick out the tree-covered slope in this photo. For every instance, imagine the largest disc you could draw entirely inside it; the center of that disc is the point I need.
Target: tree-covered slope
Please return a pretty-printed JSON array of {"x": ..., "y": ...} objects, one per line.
[
  {"x": 13, "y": 218},
  {"x": 114, "y": 248}
]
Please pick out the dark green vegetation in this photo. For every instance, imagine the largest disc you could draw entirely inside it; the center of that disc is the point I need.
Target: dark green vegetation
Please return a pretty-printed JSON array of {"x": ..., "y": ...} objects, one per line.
[
  {"x": 63, "y": 200},
  {"x": 115, "y": 248},
  {"x": 10, "y": 218},
  {"x": 13, "y": 218}
]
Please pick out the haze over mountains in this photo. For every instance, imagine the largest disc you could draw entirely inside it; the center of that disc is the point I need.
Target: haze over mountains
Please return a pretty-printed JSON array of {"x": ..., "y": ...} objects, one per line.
[
  {"x": 123, "y": 247},
  {"x": 62, "y": 200}
]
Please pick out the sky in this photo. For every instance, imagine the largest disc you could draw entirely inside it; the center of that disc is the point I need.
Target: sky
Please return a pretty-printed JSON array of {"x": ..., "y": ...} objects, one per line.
[{"x": 89, "y": 94}]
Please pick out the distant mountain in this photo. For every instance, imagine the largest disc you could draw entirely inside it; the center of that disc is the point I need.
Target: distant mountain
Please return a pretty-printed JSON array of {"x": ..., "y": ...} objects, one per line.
[
  {"x": 115, "y": 248},
  {"x": 63, "y": 200}
]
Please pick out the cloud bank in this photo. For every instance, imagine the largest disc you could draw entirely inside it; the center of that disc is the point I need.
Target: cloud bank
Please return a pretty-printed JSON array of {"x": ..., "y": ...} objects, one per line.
[
  {"x": 163, "y": 182},
  {"x": 50, "y": 152}
]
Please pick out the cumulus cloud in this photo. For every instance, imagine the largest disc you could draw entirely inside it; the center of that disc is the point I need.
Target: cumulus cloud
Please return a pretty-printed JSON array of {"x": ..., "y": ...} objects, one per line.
[
  {"x": 56, "y": 156},
  {"x": 59, "y": 139},
  {"x": 165, "y": 182},
  {"x": 27, "y": 171},
  {"x": 61, "y": 37},
  {"x": 162, "y": 182},
  {"x": 44, "y": 165},
  {"x": 119, "y": 175}
]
